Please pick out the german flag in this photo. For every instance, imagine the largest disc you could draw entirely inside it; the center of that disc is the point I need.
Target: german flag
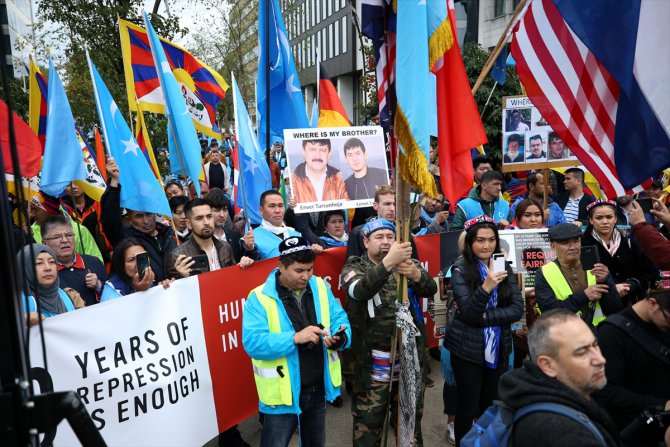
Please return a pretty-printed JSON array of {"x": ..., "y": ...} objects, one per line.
[{"x": 331, "y": 110}]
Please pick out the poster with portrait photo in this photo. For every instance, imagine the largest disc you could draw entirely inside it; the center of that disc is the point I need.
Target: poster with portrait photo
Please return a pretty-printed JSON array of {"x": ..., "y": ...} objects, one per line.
[
  {"x": 335, "y": 168},
  {"x": 513, "y": 148},
  {"x": 556, "y": 148},
  {"x": 536, "y": 146},
  {"x": 517, "y": 120}
]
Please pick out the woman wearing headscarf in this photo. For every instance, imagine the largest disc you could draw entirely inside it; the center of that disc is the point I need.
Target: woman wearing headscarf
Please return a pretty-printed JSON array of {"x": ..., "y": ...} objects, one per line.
[{"x": 41, "y": 283}]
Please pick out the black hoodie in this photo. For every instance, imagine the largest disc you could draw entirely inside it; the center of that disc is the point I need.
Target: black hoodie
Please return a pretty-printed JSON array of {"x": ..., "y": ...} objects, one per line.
[{"x": 528, "y": 385}]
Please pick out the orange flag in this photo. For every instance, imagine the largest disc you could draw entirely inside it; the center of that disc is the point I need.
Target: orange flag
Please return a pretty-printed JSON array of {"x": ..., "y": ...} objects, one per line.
[{"x": 100, "y": 158}]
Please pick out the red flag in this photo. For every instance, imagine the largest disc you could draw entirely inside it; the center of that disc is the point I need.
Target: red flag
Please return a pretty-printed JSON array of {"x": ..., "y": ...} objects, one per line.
[
  {"x": 331, "y": 110},
  {"x": 459, "y": 127},
  {"x": 100, "y": 159},
  {"x": 28, "y": 146}
]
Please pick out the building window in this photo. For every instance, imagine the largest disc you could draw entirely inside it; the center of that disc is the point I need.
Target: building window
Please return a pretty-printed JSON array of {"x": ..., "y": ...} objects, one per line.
[
  {"x": 336, "y": 38},
  {"x": 315, "y": 17},
  {"x": 324, "y": 39},
  {"x": 330, "y": 41},
  {"x": 330, "y": 7},
  {"x": 318, "y": 10},
  {"x": 323, "y": 9},
  {"x": 498, "y": 8},
  {"x": 345, "y": 34}
]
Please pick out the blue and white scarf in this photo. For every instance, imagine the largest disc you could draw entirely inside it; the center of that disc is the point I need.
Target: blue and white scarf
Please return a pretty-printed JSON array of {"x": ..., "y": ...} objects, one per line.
[{"x": 491, "y": 333}]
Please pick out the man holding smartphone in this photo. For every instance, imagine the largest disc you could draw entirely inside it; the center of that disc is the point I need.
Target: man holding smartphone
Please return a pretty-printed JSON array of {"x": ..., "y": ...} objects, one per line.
[
  {"x": 564, "y": 282},
  {"x": 292, "y": 327},
  {"x": 202, "y": 252}
]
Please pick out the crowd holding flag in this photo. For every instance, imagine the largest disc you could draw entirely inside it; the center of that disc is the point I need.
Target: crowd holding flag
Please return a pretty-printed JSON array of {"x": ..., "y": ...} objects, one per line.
[
  {"x": 63, "y": 160},
  {"x": 254, "y": 171},
  {"x": 278, "y": 81},
  {"x": 140, "y": 189},
  {"x": 202, "y": 87},
  {"x": 185, "y": 154}
]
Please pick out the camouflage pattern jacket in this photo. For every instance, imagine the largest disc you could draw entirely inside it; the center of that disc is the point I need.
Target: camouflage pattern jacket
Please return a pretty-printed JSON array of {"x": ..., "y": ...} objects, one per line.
[{"x": 371, "y": 296}]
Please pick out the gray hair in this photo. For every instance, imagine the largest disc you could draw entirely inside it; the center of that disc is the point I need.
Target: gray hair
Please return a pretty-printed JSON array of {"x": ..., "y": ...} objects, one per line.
[
  {"x": 539, "y": 341},
  {"x": 54, "y": 221}
]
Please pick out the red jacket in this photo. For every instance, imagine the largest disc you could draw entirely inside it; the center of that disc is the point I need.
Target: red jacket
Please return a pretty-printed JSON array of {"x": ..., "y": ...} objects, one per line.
[
  {"x": 303, "y": 191},
  {"x": 653, "y": 244}
]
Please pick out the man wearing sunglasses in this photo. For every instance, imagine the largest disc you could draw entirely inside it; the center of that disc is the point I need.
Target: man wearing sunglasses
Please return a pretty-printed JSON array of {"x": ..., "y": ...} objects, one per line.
[{"x": 636, "y": 344}]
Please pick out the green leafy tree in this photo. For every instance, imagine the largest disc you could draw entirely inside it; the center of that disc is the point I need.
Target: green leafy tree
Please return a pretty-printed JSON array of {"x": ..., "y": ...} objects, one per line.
[{"x": 474, "y": 57}]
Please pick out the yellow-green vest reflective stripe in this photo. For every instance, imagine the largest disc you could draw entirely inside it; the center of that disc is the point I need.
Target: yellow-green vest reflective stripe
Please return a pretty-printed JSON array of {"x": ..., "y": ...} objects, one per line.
[
  {"x": 552, "y": 273},
  {"x": 273, "y": 389}
]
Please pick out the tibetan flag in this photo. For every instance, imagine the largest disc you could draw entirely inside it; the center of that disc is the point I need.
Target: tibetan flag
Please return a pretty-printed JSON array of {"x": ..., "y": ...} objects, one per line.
[
  {"x": 142, "y": 137},
  {"x": 287, "y": 107},
  {"x": 63, "y": 161},
  {"x": 180, "y": 128},
  {"x": 28, "y": 146},
  {"x": 94, "y": 184},
  {"x": 100, "y": 154},
  {"x": 202, "y": 87},
  {"x": 140, "y": 190},
  {"x": 37, "y": 106},
  {"x": 459, "y": 125},
  {"x": 331, "y": 110},
  {"x": 255, "y": 176},
  {"x": 594, "y": 71},
  {"x": 413, "y": 92}
]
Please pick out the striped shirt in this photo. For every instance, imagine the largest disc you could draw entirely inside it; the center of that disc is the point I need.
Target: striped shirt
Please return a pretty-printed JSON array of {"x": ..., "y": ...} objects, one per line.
[{"x": 571, "y": 210}]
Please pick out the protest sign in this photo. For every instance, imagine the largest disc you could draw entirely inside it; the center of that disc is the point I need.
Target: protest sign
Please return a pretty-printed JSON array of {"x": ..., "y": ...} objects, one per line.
[
  {"x": 527, "y": 250},
  {"x": 167, "y": 366},
  {"x": 528, "y": 140},
  {"x": 335, "y": 168}
]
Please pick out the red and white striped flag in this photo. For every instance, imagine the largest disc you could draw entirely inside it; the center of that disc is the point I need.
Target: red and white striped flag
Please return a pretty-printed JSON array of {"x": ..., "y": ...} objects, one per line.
[{"x": 572, "y": 90}]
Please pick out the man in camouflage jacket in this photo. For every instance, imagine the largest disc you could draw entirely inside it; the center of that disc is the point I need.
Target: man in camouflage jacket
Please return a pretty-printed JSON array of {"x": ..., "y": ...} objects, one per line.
[{"x": 371, "y": 284}]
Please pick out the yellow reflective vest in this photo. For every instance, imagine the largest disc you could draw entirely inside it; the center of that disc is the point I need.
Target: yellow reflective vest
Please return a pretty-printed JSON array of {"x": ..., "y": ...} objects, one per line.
[
  {"x": 273, "y": 377},
  {"x": 559, "y": 285}
]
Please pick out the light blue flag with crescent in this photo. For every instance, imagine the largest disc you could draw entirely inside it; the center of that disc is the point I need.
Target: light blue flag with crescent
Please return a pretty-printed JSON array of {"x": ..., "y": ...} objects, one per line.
[
  {"x": 255, "y": 176},
  {"x": 180, "y": 124},
  {"x": 63, "y": 160},
  {"x": 140, "y": 189},
  {"x": 287, "y": 106}
]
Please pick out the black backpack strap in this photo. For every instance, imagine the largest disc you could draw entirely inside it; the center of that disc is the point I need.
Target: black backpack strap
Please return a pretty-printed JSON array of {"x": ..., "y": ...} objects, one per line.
[
  {"x": 565, "y": 411},
  {"x": 643, "y": 338}
]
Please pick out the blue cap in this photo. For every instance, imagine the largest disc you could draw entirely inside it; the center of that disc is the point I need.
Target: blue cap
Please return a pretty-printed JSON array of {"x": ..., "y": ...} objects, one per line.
[{"x": 376, "y": 224}]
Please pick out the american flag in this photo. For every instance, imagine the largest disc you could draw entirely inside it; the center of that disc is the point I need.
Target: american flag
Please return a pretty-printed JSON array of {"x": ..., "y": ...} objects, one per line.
[
  {"x": 572, "y": 90},
  {"x": 379, "y": 24}
]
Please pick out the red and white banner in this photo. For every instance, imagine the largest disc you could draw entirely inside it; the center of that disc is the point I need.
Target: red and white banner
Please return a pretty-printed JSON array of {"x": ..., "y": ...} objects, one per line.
[{"x": 167, "y": 367}]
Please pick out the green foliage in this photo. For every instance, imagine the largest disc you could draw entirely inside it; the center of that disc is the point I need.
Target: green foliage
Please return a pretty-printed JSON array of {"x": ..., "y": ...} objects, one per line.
[
  {"x": 19, "y": 97},
  {"x": 474, "y": 57}
]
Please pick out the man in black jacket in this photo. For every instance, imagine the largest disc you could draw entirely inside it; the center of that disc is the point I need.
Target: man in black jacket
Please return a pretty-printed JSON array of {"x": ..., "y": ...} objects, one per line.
[
  {"x": 565, "y": 368},
  {"x": 157, "y": 238},
  {"x": 637, "y": 370},
  {"x": 225, "y": 231}
]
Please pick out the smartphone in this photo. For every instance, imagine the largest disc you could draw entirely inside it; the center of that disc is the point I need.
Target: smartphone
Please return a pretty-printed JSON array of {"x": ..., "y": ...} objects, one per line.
[
  {"x": 646, "y": 204},
  {"x": 200, "y": 265},
  {"x": 589, "y": 256},
  {"x": 498, "y": 262},
  {"x": 142, "y": 260},
  {"x": 341, "y": 332}
]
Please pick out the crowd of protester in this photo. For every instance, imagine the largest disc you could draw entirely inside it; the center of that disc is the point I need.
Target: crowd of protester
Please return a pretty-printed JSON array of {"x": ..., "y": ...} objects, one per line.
[{"x": 589, "y": 333}]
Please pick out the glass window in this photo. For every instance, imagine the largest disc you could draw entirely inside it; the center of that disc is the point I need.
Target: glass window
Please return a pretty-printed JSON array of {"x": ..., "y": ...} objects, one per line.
[
  {"x": 318, "y": 10},
  {"x": 324, "y": 39},
  {"x": 323, "y": 9},
  {"x": 330, "y": 41},
  {"x": 336, "y": 38},
  {"x": 498, "y": 8},
  {"x": 345, "y": 34},
  {"x": 315, "y": 19},
  {"x": 330, "y": 7},
  {"x": 343, "y": 3}
]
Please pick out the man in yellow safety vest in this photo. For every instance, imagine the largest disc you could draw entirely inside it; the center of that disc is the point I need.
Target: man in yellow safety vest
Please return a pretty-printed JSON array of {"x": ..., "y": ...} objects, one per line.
[
  {"x": 292, "y": 328},
  {"x": 564, "y": 283}
]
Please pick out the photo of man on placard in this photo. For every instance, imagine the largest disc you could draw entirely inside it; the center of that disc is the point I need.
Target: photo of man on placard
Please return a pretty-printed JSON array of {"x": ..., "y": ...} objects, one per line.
[
  {"x": 557, "y": 149},
  {"x": 364, "y": 181},
  {"x": 315, "y": 180},
  {"x": 515, "y": 148},
  {"x": 535, "y": 151}
]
